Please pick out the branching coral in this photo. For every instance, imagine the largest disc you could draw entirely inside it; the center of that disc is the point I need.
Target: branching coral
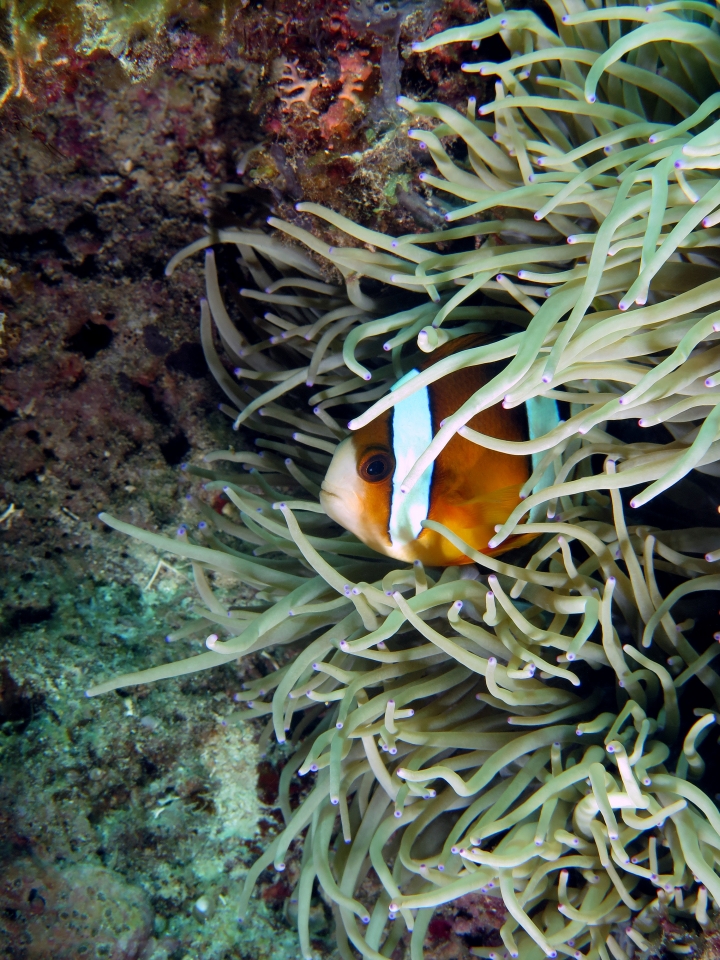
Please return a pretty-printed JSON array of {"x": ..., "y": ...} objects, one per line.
[
  {"x": 512, "y": 728},
  {"x": 295, "y": 89}
]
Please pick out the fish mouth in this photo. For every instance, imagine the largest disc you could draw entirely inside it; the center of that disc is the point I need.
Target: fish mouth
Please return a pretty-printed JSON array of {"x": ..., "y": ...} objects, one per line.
[{"x": 332, "y": 503}]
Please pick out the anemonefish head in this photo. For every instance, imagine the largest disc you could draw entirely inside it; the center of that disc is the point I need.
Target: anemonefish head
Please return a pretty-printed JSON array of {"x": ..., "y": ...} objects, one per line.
[
  {"x": 363, "y": 487},
  {"x": 358, "y": 487},
  {"x": 469, "y": 489}
]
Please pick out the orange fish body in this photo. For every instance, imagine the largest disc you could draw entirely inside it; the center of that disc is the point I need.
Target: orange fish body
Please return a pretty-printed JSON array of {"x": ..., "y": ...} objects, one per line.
[{"x": 469, "y": 488}]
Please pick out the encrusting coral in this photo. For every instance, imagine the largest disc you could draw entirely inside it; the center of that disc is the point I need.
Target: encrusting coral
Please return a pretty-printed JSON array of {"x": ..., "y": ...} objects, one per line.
[{"x": 516, "y": 729}]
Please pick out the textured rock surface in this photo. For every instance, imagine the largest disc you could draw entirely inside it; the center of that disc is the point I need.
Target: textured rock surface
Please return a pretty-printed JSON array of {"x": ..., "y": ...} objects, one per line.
[
  {"x": 103, "y": 391},
  {"x": 77, "y": 912}
]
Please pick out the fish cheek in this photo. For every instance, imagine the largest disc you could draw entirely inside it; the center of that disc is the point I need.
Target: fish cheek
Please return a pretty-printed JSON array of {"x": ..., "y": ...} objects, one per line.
[
  {"x": 375, "y": 498},
  {"x": 374, "y": 515}
]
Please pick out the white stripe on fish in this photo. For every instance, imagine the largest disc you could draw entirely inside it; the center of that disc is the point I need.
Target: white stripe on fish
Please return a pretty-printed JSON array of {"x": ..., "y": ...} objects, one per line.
[{"x": 412, "y": 433}]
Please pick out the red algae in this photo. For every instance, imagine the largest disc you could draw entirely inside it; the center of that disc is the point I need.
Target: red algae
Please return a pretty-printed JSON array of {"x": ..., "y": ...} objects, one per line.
[{"x": 64, "y": 914}]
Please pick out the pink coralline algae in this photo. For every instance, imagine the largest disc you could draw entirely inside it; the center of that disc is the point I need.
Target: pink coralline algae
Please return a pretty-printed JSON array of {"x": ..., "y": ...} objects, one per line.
[
  {"x": 473, "y": 919},
  {"x": 336, "y": 124},
  {"x": 81, "y": 911}
]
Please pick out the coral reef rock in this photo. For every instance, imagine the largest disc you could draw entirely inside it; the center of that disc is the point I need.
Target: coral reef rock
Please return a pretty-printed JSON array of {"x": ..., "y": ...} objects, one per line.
[{"x": 81, "y": 911}]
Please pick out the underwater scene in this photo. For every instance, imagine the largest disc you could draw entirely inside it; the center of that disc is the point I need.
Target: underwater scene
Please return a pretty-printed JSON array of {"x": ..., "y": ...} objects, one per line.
[{"x": 359, "y": 480}]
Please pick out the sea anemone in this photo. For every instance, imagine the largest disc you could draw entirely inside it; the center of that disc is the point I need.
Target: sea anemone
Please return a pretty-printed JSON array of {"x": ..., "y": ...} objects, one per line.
[{"x": 515, "y": 727}]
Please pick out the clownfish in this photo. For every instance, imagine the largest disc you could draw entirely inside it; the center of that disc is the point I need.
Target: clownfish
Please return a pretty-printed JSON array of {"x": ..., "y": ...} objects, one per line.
[{"x": 468, "y": 488}]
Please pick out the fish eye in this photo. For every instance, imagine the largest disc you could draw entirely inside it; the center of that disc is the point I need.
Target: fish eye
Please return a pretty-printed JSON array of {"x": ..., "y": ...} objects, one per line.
[{"x": 376, "y": 467}]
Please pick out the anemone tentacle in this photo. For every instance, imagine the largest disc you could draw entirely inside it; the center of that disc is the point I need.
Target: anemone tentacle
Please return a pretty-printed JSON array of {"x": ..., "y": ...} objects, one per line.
[{"x": 539, "y": 698}]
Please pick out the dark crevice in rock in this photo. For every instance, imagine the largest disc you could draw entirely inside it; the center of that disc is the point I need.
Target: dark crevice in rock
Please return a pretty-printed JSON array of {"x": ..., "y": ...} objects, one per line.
[{"x": 90, "y": 339}]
